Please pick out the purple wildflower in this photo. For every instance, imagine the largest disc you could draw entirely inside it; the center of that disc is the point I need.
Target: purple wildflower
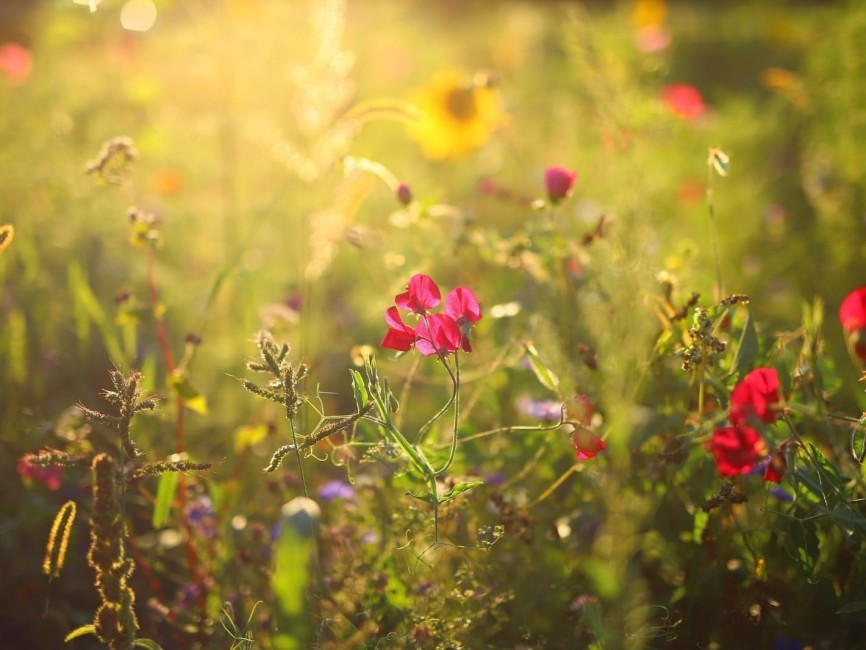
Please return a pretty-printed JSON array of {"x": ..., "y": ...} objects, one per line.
[{"x": 336, "y": 489}]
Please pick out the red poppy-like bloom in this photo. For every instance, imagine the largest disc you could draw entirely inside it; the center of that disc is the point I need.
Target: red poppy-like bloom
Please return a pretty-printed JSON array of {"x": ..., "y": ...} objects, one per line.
[
  {"x": 559, "y": 182},
  {"x": 421, "y": 295},
  {"x": 586, "y": 443},
  {"x": 399, "y": 335},
  {"x": 777, "y": 466},
  {"x": 737, "y": 449},
  {"x": 852, "y": 314},
  {"x": 757, "y": 395},
  {"x": 683, "y": 100}
]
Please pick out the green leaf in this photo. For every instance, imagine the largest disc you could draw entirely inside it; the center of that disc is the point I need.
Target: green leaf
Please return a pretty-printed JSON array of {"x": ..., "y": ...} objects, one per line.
[
  {"x": 85, "y": 300},
  {"x": 854, "y": 607},
  {"x": 459, "y": 489},
  {"x": 701, "y": 519},
  {"x": 849, "y": 521},
  {"x": 146, "y": 643},
  {"x": 747, "y": 349},
  {"x": 180, "y": 385},
  {"x": 164, "y": 496},
  {"x": 359, "y": 390},
  {"x": 544, "y": 374},
  {"x": 450, "y": 495},
  {"x": 819, "y": 481},
  {"x": 80, "y": 631},
  {"x": 801, "y": 544},
  {"x": 289, "y": 583},
  {"x": 858, "y": 441}
]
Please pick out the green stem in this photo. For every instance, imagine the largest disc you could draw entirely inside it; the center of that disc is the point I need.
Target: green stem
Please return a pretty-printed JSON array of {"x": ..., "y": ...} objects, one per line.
[
  {"x": 455, "y": 435},
  {"x": 712, "y": 210}
]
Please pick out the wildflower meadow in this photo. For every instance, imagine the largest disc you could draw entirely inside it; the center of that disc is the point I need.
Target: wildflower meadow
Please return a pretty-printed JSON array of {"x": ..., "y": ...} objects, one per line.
[{"x": 443, "y": 325}]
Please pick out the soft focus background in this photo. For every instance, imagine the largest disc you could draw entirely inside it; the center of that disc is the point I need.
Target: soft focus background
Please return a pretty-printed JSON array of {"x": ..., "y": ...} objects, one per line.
[{"x": 272, "y": 137}]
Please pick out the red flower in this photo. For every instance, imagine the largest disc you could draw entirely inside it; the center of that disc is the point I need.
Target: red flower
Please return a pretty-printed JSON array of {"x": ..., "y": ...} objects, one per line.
[
  {"x": 757, "y": 396},
  {"x": 437, "y": 334},
  {"x": 586, "y": 443},
  {"x": 559, "y": 182},
  {"x": 15, "y": 62},
  {"x": 399, "y": 335},
  {"x": 683, "y": 100},
  {"x": 737, "y": 449},
  {"x": 48, "y": 476},
  {"x": 580, "y": 408},
  {"x": 462, "y": 305},
  {"x": 421, "y": 295},
  {"x": 852, "y": 314},
  {"x": 777, "y": 466}
]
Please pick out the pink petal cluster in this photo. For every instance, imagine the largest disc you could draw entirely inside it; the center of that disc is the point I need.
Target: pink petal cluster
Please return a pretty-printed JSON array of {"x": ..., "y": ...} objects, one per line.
[
  {"x": 436, "y": 333},
  {"x": 683, "y": 100}
]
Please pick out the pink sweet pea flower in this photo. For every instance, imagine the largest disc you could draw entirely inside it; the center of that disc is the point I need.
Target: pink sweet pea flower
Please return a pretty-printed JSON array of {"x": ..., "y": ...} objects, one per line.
[
  {"x": 399, "y": 335},
  {"x": 437, "y": 334},
  {"x": 757, "y": 395},
  {"x": 586, "y": 444},
  {"x": 559, "y": 182},
  {"x": 462, "y": 305},
  {"x": 683, "y": 100},
  {"x": 422, "y": 294}
]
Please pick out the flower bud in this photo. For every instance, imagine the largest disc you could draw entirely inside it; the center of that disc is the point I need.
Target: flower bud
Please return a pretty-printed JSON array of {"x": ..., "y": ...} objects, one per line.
[
  {"x": 404, "y": 194},
  {"x": 559, "y": 182}
]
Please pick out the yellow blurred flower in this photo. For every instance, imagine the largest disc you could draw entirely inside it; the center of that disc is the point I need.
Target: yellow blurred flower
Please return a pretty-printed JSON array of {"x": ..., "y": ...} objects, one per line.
[
  {"x": 459, "y": 114},
  {"x": 787, "y": 83},
  {"x": 7, "y": 234},
  {"x": 649, "y": 13}
]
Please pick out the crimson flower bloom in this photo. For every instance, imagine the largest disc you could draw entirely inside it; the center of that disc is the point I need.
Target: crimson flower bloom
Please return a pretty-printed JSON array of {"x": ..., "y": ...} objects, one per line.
[
  {"x": 15, "y": 62},
  {"x": 586, "y": 443},
  {"x": 777, "y": 466},
  {"x": 757, "y": 395},
  {"x": 559, "y": 182},
  {"x": 462, "y": 305},
  {"x": 737, "y": 449},
  {"x": 422, "y": 294},
  {"x": 683, "y": 100},
  {"x": 852, "y": 314},
  {"x": 437, "y": 334},
  {"x": 399, "y": 335}
]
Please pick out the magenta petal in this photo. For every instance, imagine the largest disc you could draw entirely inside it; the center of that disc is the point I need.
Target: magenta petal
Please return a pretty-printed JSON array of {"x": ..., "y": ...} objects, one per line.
[
  {"x": 421, "y": 295},
  {"x": 392, "y": 317},
  {"x": 398, "y": 340},
  {"x": 462, "y": 303}
]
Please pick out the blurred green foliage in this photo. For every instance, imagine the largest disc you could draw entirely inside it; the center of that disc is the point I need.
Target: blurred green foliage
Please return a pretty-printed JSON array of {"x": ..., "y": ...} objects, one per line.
[{"x": 243, "y": 113}]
